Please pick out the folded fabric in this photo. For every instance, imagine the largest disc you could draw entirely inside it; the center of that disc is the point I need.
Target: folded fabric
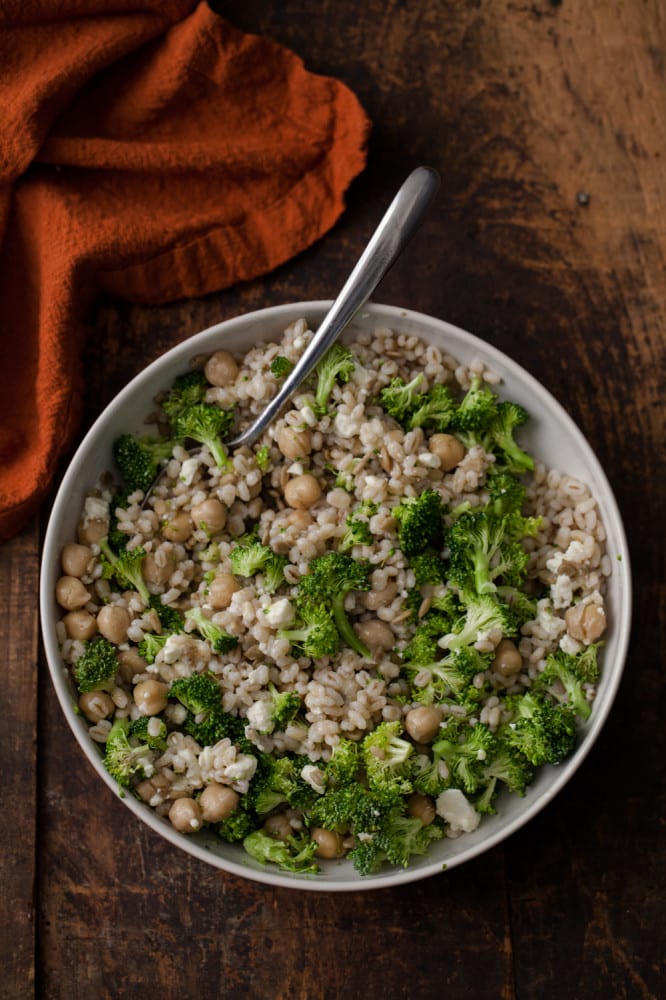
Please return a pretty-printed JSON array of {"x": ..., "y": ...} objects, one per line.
[{"x": 150, "y": 151}]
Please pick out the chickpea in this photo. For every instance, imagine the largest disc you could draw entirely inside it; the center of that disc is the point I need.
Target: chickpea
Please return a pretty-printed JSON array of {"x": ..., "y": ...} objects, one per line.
[
  {"x": 221, "y": 369},
  {"x": 185, "y": 816},
  {"x": 177, "y": 528},
  {"x": 217, "y": 802},
  {"x": 96, "y": 705},
  {"x": 75, "y": 559},
  {"x": 278, "y": 827},
  {"x": 70, "y": 593},
  {"x": 329, "y": 843},
  {"x": 373, "y": 600},
  {"x": 150, "y": 697},
  {"x": 448, "y": 449},
  {"x": 222, "y": 589},
  {"x": 507, "y": 660},
  {"x": 378, "y": 636},
  {"x": 130, "y": 664},
  {"x": 586, "y": 622},
  {"x": 210, "y": 514},
  {"x": 145, "y": 790},
  {"x": 422, "y": 807},
  {"x": 156, "y": 572},
  {"x": 80, "y": 625},
  {"x": 302, "y": 492},
  {"x": 93, "y": 530},
  {"x": 294, "y": 443},
  {"x": 113, "y": 622},
  {"x": 423, "y": 723}
]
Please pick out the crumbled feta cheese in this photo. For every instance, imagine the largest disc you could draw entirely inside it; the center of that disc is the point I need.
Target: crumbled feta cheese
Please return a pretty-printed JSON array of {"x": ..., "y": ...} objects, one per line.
[
  {"x": 260, "y": 716},
  {"x": 570, "y": 645},
  {"x": 455, "y": 810},
  {"x": 347, "y": 425},
  {"x": 553, "y": 564},
  {"x": 561, "y": 592},
  {"x": 279, "y": 613},
  {"x": 314, "y": 777},
  {"x": 188, "y": 470},
  {"x": 95, "y": 509},
  {"x": 429, "y": 460}
]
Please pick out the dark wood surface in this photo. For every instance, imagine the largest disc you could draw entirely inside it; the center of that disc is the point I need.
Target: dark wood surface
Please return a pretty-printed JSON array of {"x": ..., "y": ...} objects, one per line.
[{"x": 548, "y": 123}]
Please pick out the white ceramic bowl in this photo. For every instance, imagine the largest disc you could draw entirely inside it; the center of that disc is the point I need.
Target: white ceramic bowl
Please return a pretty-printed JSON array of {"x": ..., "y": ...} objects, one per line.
[{"x": 552, "y": 437}]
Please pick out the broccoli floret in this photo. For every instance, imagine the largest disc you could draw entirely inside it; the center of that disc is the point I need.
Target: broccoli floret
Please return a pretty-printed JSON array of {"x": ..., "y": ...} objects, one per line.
[
  {"x": 206, "y": 720},
  {"x": 563, "y": 680},
  {"x": 420, "y": 523},
  {"x": 281, "y": 366},
  {"x": 523, "y": 606},
  {"x": 484, "y": 548},
  {"x": 507, "y": 494},
  {"x": 344, "y": 763},
  {"x": 250, "y": 557},
  {"x": 509, "y": 767},
  {"x": 509, "y": 417},
  {"x": 358, "y": 530},
  {"x": 124, "y": 759},
  {"x": 125, "y": 568},
  {"x": 354, "y": 806},
  {"x": 429, "y": 775},
  {"x": 398, "y": 839},
  {"x": 237, "y": 826},
  {"x": 483, "y": 613},
  {"x": 428, "y": 568},
  {"x": 207, "y": 424},
  {"x": 543, "y": 732},
  {"x": 220, "y": 640},
  {"x": 423, "y": 647},
  {"x": 187, "y": 390},
  {"x": 151, "y": 645},
  {"x": 139, "y": 459},
  {"x": 315, "y": 634},
  {"x": 435, "y": 409},
  {"x": 278, "y": 782},
  {"x": 170, "y": 619},
  {"x": 331, "y": 577},
  {"x": 284, "y": 706},
  {"x": 386, "y": 758},
  {"x": 262, "y": 457},
  {"x": 450, "y": 676},
  {"x": 97, "y": 666},
  {"x": 401, "y": 399},
  {"x": 465, "y": 749},
  {"x": 150, "y": 730},
  {"x": 337, "y": 365},
  {"x": 117, "y": 539},
  {"x": 294, "y": 855},
  {"x": 476, "y": 410}
]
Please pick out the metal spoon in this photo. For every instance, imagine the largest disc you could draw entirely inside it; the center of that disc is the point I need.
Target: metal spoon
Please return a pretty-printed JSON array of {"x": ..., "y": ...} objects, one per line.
[{"x": 392, "y": 235}]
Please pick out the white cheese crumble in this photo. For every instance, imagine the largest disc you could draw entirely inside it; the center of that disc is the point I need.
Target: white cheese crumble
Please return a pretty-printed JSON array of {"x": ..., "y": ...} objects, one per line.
[
  {"x": 455, "y": 810},
  {"x": 188, "y": 470},
  {"x": 314, "y": 777},
  {"x": 260, "y": 716},
  {"x": 95, "y": 509},
  {"x": 279, "y": 613}
]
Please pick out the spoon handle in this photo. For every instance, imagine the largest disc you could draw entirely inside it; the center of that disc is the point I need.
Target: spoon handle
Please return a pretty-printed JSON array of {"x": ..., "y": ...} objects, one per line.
[{"x": 392, "y": 235}]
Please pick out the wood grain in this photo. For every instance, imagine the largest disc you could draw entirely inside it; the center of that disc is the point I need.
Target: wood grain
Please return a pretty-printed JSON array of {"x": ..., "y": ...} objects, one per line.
[{"x": 548, "y": 240}]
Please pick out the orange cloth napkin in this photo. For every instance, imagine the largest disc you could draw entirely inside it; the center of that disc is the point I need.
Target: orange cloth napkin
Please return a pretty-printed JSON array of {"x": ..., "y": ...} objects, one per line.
[{"x": 149, "y": 151}]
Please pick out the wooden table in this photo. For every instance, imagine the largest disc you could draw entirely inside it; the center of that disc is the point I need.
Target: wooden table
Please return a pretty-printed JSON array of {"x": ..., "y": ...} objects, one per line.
[{"x": 548, "y": 123}]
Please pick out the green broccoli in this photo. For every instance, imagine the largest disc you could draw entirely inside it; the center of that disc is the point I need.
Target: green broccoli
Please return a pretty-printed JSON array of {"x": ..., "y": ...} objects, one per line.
[
  {"x": 353, "y": 806},
  {"x": 465, "y": 749},
  {"x": 315, "y": 634},
  {"x": 523, "y": 606},
  {"x": 220, "y": 640},
  {"x": 250, "y": 557},
  {"x": 207, "y": 424},
  {"x": 423, "y": 647},
  {"x": 331, "y": 577},
  {"x": 294, "y": 855},
  {"x": 125, "y": 759},
  {"x": 279, "y": 711},
  {"x": 543, "y": 732},
  {"x": 278, "y": 782},
  {"x": 484, "y": 548},
  {"x": 206, "y": 721},
  {"x": 343, "y": 765},
  {"x": 397, "y": 840},
  {"x": 151, "y": 645},
  {"x": 358, "y": 530},
  {"x": 117, "y": 539},
  {"x": 150, "y": 730},
  {"x": 125, "y": 568},
  {"x": 262, "y": 457},
  {"x": 428, "y": 568},
  {"x": 476, "y": 411},
  {"x": 420, "y": 523},
  {"x": 281, "y": 366},
  {"x": 237, "y": 826},
  {"x": 96, "y": 668},
  {"x": 448, "y": 677},
  {"x": 435, "y": 410},
  {"x": 336, "y": 365},
  {"x": 564, "y": 676},
  {"x": 139, "y": 459},
  {"x": 482, "y": 613},
  {"x": 186, "y": 391},
  {"x": 509, "y": 767},
  {"x": 429, "y": 775},
  {"x": 170, "y": 619},
  {"x": 400, "y": 399},
  {"x": 507, "y": 493},
  {"x": 386, "y": 758},
  {"x": 509, "y": 417}
]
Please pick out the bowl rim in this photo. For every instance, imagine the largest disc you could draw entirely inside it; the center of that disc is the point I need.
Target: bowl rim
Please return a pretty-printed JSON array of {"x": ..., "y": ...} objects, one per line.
[{"x": 391, "y": 316}]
